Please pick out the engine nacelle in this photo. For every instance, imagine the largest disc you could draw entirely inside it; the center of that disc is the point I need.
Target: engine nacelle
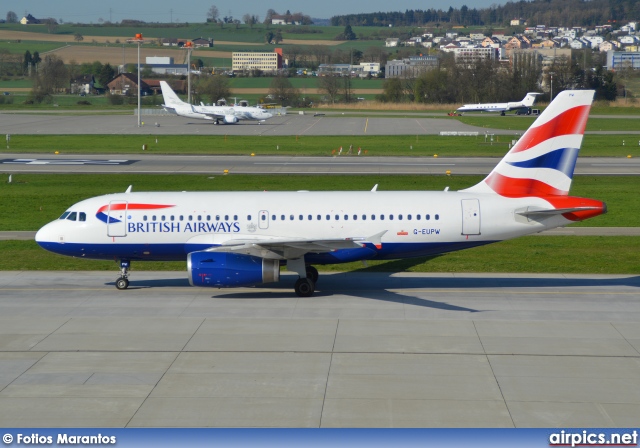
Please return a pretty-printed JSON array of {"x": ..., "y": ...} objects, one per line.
[
  {"x": 230, "y": 119},
  {"x": 226, "y": 270}
]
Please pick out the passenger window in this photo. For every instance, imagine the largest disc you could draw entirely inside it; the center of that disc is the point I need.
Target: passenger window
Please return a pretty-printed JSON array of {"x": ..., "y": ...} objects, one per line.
[
  {"x": 373, "y": 217},
  {"x": 144, "y": 218},
  {"x": 309, "y": 217},
  {"x": 337, "y": 217},
  {"x": 437, "y": 217},
  {"x": 409, "y": 217},
  {"x": 263, "y": 217},
  {"x": 208, "y": 218},
  {"x": 427, "y": 217},
  {"x": 190, "y": 218},
  {"x": 273, "y": 218},
  {"x": 400, "y": 217},
  {"x": 64, "y": 215},
  {"x": 319, "y": 217},
  {"x": 346, "y": 217},
  {"x": 355, "y": 217},
  {"x": 226, "y": 217},
  {"x": 72, "y": 216},
  {"x": 217, "y": 217},
  {"x": 364, "y": 217},
  {"x": 291, "y": 218},
  {"x": 390, "y": 217},
  {"x": 82, "y": 217},
  {"x": 248, "y": 217},
  {"x": 300, "y": 217},
  {"x": 235, "y": 217},
  {"x": 382, "y": 217},
  {"x": 418, "y": 217},
  {"x": 282, "y": 218},
  {"x": 173, "y": 218},
  {"x": 328, "y": 217},
  {"x": 162, "y": 218},
  {"x": 181, "y": 218}
]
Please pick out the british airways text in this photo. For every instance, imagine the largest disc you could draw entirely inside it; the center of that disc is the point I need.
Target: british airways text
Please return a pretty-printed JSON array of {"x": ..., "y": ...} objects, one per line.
[{"x": 177, "y": 227}]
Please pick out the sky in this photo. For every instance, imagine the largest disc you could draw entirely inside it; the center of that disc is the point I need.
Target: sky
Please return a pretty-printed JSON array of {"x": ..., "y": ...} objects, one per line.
[{"x": 196, "y": 10}]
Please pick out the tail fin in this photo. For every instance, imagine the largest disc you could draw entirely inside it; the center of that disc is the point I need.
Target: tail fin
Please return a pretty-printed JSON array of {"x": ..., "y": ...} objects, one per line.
[
  {"x": 529, "y": 99},
  {"x": 169, "y": 96},
  {"x": 541, "y": 163}
]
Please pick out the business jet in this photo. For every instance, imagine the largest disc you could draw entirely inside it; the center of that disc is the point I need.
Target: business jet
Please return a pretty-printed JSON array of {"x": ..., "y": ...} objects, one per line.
[
  {"x": 234, "y": 239},
  {"x": 218, "y": 114},
  {"x": 525, "y": 105}
]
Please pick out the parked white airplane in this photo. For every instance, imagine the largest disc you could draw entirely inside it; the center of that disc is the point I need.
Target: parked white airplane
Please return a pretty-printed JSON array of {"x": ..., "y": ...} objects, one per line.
[
  {"x": 234, "y": 239},
  {"x": 219, "y": 114},
  {"x": 525, "y": 104}
]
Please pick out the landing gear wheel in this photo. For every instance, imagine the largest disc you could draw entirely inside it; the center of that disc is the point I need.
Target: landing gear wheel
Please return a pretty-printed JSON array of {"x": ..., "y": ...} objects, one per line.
[
  {"x": 304, "y": 287},
  {"x": 312, "y": 273},
  {"x": 122, "y": 283}
]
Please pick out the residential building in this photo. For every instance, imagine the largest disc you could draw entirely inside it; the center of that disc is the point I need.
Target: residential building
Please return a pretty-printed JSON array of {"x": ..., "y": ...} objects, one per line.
[
  {"x": 392, "y": 42},
  {"x": 127, "y": 84},
  {"x": 29, "y": 20},
  {"x": 471, "y": 55},
  {"x": 82, "y": 84}
]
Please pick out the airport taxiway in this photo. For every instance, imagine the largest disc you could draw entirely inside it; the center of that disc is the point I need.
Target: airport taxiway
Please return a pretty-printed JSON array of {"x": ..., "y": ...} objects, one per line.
[{"x": 368, "y": 350}]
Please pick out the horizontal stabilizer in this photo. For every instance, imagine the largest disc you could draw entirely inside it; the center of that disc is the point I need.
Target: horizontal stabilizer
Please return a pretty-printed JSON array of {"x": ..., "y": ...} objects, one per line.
[{"x": 554, "y": 211}]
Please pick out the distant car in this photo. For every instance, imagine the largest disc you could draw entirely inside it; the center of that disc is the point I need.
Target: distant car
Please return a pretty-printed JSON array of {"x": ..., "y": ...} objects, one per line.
[
  {"x": 6, "y": 93},
  {"x": 83, "y": 94}
]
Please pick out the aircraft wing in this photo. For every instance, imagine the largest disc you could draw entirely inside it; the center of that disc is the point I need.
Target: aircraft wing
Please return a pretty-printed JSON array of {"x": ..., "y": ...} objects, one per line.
[
  {"x": 206, "y": 112},
  {"x": 289, "y": 248}
]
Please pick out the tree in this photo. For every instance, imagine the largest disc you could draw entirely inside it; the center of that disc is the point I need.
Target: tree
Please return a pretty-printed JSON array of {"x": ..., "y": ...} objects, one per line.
[
  {"x": 269, "y": 36},
  {"x": 213, "y": 88},
  {"x": 78, "y": 37},
  {"x": 52, "y": 76},
  {"x": 28, "y": 60},
  {"x": 12, "y": 17},
  {"x": 330, "y": 85},
  {"x": 106, "y": 74},
  {"x": 212, "y": 14},
  {"x": 269, "y": 16},
  {"x": 348, "y": 33},
  {"x": 283, "y": 91},
  {"x": 278, "y": 37}
]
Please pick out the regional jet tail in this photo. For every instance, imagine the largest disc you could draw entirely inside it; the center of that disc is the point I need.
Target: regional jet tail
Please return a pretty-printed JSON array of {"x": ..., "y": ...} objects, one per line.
[
  {"x": 238, "y": 239},
  {"x": 525, "y": 104},
  {"x": 218, "y": 114}
]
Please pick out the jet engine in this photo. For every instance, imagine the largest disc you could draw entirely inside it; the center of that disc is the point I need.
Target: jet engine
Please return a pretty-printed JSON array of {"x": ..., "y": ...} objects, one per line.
[
  {"x": 226, "y": 270},
  {"x": 230, "y": 119}
]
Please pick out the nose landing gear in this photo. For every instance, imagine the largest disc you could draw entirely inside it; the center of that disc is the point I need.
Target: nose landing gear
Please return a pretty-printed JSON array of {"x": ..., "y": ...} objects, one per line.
[{"x": 123, "y": 281}]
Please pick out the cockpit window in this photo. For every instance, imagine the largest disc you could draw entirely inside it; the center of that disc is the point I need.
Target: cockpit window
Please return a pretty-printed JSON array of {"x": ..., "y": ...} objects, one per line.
[
  {"x": 72, "y": 216},
  {"x": 64, "y": 215},
  {"x": 82, "y": 216}
]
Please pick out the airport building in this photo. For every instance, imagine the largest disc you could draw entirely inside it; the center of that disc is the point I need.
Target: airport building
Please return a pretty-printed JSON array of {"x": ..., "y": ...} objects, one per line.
[
  {"x": 249, "y": 60},
  {"x": 410, "y": 67},
  {"x": 617, "y": 60}
]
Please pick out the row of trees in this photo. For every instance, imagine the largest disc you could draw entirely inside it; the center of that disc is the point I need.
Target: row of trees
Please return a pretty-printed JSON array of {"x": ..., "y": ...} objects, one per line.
[{"x": 548, "y": 12}]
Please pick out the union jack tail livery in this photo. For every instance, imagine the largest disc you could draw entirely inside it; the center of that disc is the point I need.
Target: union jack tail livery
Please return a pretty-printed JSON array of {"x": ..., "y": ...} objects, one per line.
[{"x": 541, "y": 163}]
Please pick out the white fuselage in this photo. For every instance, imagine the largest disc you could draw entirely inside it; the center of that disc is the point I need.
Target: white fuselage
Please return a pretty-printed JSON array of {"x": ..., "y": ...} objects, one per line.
[{"x": 411, "y": 223}]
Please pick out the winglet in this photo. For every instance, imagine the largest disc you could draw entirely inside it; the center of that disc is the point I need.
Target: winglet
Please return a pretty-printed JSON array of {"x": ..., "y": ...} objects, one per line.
[
  {"x": 375, "y": 188},
  {"x": 129, "y": 189}
]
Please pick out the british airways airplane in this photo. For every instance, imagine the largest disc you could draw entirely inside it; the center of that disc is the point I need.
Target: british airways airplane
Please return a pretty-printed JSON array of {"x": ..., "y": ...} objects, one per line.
[
  {"x": 525, "y": 104},
  {"x": 219, "y": 114},
  {"x": 233, "y": 239}
]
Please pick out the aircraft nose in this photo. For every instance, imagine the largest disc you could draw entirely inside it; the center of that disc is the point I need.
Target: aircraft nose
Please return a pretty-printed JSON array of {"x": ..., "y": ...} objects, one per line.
[{"x": 45, "y": 235}]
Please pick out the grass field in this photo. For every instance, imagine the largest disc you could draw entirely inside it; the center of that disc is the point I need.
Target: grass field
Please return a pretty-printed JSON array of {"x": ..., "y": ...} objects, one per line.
[
  {"x": 532, "y": 254},
  {"x": 397, "y": 145},
  {"x": 32, "y": 200}
]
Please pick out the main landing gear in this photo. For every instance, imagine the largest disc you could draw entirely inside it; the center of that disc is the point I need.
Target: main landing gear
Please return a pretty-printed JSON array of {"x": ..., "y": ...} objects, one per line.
[
  {"x": 305, "y": 286},
  {"x": 123, "y": 281}
]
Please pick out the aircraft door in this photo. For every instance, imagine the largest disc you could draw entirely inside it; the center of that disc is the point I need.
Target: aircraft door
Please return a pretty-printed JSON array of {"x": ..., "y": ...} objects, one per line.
[
  {"x": 117, "y": 218},
  {"x": 470, "y": 217},
  {"x": 263, "y": 219}
]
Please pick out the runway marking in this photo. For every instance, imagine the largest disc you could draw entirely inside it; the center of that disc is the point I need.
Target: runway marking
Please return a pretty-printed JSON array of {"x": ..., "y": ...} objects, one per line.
[
  {"x": 66, "y": 162},
  {"x": 354, "y": 163},
  {"x": 365, "y": 125}
]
